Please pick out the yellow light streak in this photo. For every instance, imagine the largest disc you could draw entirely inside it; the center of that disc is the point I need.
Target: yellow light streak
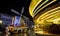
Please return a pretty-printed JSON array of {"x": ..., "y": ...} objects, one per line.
[
  {"x": 54, "y": 12},
  {"x": 56, "y": 21},
  {"x": 31, "y": 13},
  {"x": 49, "y": 12},
  {"x": 42, "y": 21},
  {"x": 41, "y": 5},
  {"x": 36, "y": 5},
  {"x": 40, "y": 32},
  {"x": 32, "y": 6},
  {"x": 52, "y": 17},
  {"x": 45, "y": 6}
]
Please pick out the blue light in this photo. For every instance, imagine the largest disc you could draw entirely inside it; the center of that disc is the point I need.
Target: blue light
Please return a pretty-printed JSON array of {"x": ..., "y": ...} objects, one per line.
[{"x": 17, "y": 21}]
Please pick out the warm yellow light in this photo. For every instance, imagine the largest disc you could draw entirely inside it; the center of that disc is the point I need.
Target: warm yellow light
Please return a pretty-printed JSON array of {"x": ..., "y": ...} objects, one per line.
[
  {"x": 42, "y": 21},
  {"x": 56, "y": 21},
  {"x": 32, "y": 6},
  {"x": 41, "y": 5},
  {"x": 39, "y": 32},
  {"x": 31, "y": 13},
  {"x": 45, "y": 6},
  {"x": 51, "y": 18},
  {"x": 36, "y": 4},
  {"x": 50, "y": 15},
  {"x": 1, "y": 21},
  {"x": 48, "y": 12}
]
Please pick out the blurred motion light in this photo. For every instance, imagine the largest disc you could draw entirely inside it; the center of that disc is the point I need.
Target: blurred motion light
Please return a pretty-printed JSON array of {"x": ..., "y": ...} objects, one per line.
[
  {"x": 48, "y": 15},
  {"x": 44, "y": 13},
  {"x": 50, "y": 11},
  {"x": 41, "y": 5},
  {"x": 33, "y": 5},
  {"x": 45, "y": 6},
  {"x": 56, "y": 21},
  {"x": 0, "y": 21}
]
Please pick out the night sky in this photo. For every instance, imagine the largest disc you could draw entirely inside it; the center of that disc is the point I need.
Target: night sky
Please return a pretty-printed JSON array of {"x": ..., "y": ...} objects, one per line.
[{"x": 7, "y": 5}]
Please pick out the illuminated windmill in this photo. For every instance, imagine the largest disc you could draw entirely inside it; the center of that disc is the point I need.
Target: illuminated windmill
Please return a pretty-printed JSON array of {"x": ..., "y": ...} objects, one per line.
[{"x": 17, "y": 19}]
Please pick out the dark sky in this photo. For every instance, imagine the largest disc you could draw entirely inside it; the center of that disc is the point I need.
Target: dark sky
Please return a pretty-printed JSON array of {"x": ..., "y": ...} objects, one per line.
[{"x": 7, "y": 5}]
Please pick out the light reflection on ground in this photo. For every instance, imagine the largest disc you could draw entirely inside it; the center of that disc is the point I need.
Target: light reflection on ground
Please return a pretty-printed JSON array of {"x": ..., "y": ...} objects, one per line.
[{"x": 26, "y": 35}]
